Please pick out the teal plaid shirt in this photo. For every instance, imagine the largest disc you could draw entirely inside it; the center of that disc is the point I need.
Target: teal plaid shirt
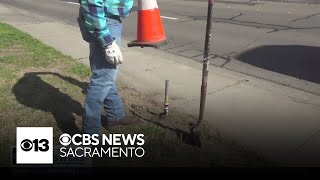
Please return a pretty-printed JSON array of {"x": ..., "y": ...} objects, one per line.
[{"x": 95, "y": 12}]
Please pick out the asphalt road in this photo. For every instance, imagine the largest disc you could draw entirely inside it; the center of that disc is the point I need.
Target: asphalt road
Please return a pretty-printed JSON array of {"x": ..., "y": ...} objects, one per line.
[
  {"x": 289, "y": 1},
  {"x": 298, "y": 1},
  {"x": 279, "y": 42}
]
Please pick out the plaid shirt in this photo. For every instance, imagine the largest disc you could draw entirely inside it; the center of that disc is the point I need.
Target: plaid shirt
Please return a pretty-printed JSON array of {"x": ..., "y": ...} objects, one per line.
[{"x": 95, "y": 13}]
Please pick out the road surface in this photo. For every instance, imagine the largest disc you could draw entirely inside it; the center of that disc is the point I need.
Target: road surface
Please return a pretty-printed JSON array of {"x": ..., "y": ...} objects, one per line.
[{"x": 273, "y": 40}]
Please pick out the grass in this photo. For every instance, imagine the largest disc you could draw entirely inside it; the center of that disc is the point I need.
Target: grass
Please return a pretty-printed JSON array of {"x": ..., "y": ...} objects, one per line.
[
  {"x": 80, "y": 69},
  {"x": 39, "y": 86}
]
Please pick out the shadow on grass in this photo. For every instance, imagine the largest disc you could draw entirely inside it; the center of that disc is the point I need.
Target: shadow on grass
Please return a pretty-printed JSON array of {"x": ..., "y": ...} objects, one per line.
[{"x": 35, "y": 93}]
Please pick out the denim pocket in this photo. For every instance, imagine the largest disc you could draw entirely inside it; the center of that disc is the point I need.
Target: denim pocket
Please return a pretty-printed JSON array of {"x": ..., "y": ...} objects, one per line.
[{"x": 113, "y": 20}]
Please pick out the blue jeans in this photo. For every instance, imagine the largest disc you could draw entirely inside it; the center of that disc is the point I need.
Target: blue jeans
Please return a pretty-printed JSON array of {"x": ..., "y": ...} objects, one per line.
[{"x": 102, "y": 90}]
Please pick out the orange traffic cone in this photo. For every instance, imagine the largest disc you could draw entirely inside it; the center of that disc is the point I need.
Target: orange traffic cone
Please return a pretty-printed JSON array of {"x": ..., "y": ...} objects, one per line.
[{"x": 150, "y": 32}]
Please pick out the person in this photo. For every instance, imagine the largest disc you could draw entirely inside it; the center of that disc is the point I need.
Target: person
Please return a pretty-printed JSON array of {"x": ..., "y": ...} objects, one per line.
[{"x": 101, "y": 26}]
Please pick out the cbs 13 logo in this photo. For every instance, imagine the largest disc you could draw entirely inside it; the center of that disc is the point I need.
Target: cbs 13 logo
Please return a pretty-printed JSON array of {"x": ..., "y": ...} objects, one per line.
[{"x": 35, "y": 145}]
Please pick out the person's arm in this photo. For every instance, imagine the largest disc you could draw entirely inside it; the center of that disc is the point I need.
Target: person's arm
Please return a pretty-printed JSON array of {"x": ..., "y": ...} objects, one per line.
[{"x": 95, "y": 20}]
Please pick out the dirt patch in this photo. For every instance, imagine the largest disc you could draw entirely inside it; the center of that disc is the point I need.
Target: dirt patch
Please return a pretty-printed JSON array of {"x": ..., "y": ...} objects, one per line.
[{"x": 173, "y": 146}]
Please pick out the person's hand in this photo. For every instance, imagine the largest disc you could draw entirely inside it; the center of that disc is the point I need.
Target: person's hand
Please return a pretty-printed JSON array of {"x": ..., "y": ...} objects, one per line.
[{"x": 113, "y": 54}]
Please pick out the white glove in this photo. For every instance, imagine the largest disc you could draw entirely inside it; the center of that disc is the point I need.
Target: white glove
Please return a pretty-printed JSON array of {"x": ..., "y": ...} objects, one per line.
[{"x": 113, "y": 54}]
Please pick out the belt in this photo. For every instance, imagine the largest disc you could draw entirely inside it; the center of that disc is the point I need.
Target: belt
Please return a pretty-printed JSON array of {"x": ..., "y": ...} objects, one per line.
[{"x": 115, "y": 18}]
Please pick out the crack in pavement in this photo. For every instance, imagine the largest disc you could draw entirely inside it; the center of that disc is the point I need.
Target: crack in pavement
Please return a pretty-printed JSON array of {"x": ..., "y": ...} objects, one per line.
[
  {"x": 234, "y": 84},
  {"x": 184, "y": 50},
  {"x": 288, "y": 96},
  {"x": 214, "y": 92},
  {"x": 304, "y": 18},
  {"x": 228, "y": 60},
  {"x": 296, "y": 1},
  {"x": 248, "y": 3},
  {"x": 232, "y": 20},
  {"x": 212, "y": 56},
  {"x": 245, "y": 23},
  {"x": 181, "y": 45},
  {"x": 298, "y": 149},
  {"x": 235, "y": 16}
]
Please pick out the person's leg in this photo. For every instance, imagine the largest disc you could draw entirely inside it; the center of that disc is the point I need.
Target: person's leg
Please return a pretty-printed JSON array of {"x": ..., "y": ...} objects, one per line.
[
  {"x": 113, "y": 104},
  {"x": 102, "y": 82}
]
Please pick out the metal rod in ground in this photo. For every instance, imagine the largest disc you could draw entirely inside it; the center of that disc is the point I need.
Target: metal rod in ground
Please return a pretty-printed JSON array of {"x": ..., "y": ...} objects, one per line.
[
  {"x": 166, "y": 99},
  {"x": 207, "y": 48}
]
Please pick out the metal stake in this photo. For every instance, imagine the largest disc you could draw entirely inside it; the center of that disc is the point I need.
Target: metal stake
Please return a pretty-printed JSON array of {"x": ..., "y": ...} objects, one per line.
[
  {"x": 166, "y": 99},
  {"x": 207, "y": 48}
]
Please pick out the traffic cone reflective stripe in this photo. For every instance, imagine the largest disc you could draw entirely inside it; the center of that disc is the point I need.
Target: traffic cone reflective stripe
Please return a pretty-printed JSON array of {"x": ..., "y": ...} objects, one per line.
[
  {"x": 147, "y": 4},
  {"x": 150, "y": 32}
]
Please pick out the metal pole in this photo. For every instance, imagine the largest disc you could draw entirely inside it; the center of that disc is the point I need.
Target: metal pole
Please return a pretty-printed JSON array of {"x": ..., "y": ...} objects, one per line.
[
  {"x": 166, "y": 99},
  {"x": 207, "y": 48}
]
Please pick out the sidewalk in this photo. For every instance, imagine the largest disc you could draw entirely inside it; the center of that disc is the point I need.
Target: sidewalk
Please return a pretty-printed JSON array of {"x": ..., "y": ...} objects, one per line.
[{"x": 280, "y": 122}]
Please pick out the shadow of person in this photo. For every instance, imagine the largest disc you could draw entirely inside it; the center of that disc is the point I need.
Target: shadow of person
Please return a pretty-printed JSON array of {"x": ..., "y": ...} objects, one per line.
[
  {"x": 298, "y": 61},
  {"x": 33, "y": 92}
]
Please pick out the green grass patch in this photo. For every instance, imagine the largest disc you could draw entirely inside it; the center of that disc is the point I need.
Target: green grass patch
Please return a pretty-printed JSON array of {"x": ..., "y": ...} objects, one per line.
[
  {"x": 6, "y": 73},
  {"x": 80, "y": 70},
  {"x": 20, "y": 48},
  {"x": 35, "y": 88}
]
